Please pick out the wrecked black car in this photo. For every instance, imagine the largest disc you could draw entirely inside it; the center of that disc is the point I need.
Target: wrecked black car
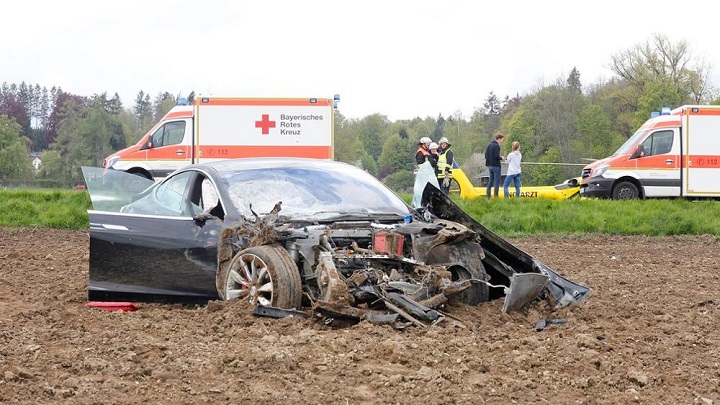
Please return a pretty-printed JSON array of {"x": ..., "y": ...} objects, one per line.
[{"x": 292, "y": 235}]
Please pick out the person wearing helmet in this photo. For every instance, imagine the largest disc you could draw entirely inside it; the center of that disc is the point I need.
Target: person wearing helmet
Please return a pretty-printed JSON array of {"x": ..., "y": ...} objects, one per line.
[
  {"x": 423, "y": 150},
  {"x": 444, "y": 165},
  {"x": 426, "y": 159},
  {"x": 433, "y": 156}
]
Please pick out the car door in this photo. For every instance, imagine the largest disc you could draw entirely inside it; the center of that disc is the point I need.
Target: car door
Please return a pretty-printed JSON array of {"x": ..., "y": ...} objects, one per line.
[
  {"x": 169, "y": 147},
  {"x": 153, "y": 249}
]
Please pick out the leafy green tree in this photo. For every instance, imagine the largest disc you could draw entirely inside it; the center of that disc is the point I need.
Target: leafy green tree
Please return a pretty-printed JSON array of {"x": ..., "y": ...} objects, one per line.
[
  {"x": 556, "y": 109},
  {"x": 550, "y": 173},
  {"x": 522, "y": 126},
  {"x": 371, "y": 132},
  {"x": 573, "y": 81},
  {"x": 595, "y": 137},
  {"x": 618, "y": 99},
  {"x": 143, "y": 111},
  {"x": 656, "y": 95},
  {"x": 401, "y": 181},
  {"x": 72, "y": 151},
  {"x": 59, "y": 108},
  {"x": 99, "y": 133},
  {"x": 53, "y": 168},
  {"x": 661, "y": 60},
  {"x": 368, "y": 163},
  {"x": 439, "y": 130},
  {"x": 346, "y": 142},
  {"x": 191, "y": 97},
  {"x": 14, "y": 158},
  {"x": 163, "y": 103},
  {"x": 492, "y": 104},
  {"x": 477, "y": 137},
  {"x": 129, "y": 127},
  {"x": 396, "y": 155}
]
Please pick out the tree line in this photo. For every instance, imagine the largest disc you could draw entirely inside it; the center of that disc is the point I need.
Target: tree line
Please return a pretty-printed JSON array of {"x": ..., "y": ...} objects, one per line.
[{"x": 561, "y": 122}]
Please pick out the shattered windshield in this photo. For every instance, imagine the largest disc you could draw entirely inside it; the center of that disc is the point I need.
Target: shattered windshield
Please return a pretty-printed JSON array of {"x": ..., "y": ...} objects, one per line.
[{"x": 312, "y": 192}]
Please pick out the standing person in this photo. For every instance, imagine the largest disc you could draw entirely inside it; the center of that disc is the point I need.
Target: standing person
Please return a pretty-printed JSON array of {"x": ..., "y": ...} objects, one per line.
[
  {"x": 493, "y": 160},
  {"x": 514, "y": 172},
  {"x": 433, "y": 157},
  {"x": 426, "y": 159},
  {"x": 423, "y": 150},
  {"x": 445, "y": 165}
]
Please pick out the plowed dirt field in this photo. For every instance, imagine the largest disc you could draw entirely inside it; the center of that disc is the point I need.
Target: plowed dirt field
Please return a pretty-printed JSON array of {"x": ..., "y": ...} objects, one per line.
[{"x": 648, "y": 333}]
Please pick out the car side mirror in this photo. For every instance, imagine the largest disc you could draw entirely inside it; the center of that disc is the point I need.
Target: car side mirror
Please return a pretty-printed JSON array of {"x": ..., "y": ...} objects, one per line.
[
  {"x": 203, "y": 217},
  {"x": 639, "y": 152}
]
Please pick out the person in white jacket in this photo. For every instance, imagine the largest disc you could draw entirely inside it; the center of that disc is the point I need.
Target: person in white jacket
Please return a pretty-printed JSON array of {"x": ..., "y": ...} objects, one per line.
[{"x": 514, "y": 172}]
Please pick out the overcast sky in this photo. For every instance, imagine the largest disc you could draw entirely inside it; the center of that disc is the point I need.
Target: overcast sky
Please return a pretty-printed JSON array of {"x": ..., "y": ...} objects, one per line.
[{"x": 400, "y": 58}]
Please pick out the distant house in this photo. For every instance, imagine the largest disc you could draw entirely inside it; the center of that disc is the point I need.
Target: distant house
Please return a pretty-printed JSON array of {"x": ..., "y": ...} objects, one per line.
[{"x": 36, "y": 161}]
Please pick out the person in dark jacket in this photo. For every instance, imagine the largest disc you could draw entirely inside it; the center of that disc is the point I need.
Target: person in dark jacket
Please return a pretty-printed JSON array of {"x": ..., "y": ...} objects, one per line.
[
  {"x": 421, "y": 155},
  {"x": 493, "y": 161}
]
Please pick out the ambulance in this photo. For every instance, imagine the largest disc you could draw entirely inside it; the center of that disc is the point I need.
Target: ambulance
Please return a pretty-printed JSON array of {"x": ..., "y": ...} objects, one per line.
[
  {"x": 676, "y": 153},
  {"x": 215, "y": 128}
]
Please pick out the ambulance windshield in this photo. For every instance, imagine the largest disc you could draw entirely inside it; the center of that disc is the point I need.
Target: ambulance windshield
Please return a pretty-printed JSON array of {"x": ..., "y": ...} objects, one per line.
[{"x": 631, "y": 142}]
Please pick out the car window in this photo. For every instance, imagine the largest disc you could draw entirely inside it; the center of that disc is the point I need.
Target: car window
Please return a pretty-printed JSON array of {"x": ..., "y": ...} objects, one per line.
[
  {"x": 157, "y": 137},
  {"x": 174, "y": 133},
  {"x": 662, "y": 142},
  {"x": 171, "y": 194},
  {"x": 171, "y": 133},
  {"x": 658, "y": 143}
]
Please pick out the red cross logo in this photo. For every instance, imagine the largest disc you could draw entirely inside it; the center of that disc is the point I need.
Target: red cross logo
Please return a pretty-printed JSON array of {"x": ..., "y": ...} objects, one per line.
[{"x": 265, "y": 124}]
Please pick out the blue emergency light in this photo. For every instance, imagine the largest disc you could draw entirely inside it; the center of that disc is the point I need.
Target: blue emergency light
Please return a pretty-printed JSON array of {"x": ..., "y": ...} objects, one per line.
[
  {"x": 182, "y": 101},
  {"x": 665, "y": 111}
]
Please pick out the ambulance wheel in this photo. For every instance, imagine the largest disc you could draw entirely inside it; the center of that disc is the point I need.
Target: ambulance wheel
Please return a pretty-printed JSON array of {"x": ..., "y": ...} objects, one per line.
[
  {"x": 264, "y": 275},
  {"x": 625, "y": 190}
]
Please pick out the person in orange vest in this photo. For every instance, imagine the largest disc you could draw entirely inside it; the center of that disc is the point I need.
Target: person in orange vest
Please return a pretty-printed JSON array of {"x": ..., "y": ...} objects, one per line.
[{"x": 423, "y": 151}]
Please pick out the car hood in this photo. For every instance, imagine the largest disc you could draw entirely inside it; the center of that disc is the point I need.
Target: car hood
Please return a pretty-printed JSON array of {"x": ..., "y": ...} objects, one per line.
[{"x": 504, "y": 256}]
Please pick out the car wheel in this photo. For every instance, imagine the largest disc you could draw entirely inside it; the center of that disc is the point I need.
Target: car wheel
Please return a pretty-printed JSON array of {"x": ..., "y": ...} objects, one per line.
[
  {"x": 478, "y": 292},
  {"x": 625, "y": 190},
  {"x": 263, "y": 275}
]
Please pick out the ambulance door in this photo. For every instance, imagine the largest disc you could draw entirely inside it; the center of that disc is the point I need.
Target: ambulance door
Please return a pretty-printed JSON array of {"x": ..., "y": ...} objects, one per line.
[
  {"x": 169, "y": 147},
  {"x": 659, "y": 163}
]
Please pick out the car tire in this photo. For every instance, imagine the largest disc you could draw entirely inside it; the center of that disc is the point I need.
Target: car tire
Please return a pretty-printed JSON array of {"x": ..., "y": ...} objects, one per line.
[
  {"x": 478, "y": 292},
  {"x": 625, "y": 190},
  {"x": 264, "y": 275}
]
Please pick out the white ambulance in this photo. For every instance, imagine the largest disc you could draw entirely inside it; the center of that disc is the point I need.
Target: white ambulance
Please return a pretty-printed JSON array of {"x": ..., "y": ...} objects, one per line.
[
  {"x": 673, "y": 154},
  {"x": 215, "y": 128}
]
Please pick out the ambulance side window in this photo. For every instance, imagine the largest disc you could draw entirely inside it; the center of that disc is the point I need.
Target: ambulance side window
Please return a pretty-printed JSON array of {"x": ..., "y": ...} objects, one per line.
[
  {"x": 156, "y": 139},
  {"x": 658, "y": 143},
  {"x": 171, "y": 133},
  {"x": 174, "y": 133}
]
